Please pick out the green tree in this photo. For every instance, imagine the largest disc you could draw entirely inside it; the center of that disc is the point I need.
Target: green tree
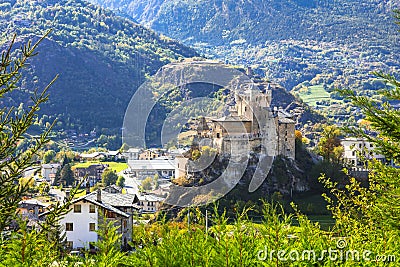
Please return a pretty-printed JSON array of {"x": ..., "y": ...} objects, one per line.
[
  {"x": 67, "y": 175},
  {"x": 13, "y": 129},
  {"x": 48, "y": 156},
  {"x": 109, "y": 177},
  {"x": 329, "y": 146},
  {"x": 57, "y": 179},
  {"x": 147, "y": 184},
  {"x": 124, "y": 147},
  {"x": 44, "y": 188},
  {"x": 65, "y": 156},
  {"x": 156, "y": 181},
  {"x": 120, "y": 181},
  {"x": 109, "y": 245}
]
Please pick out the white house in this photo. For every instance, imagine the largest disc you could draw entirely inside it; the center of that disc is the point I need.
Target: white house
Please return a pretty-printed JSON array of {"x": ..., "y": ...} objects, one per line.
[
  {"x": 114, "y": 155},
  {"x": 49, "y": 171},
  {"x": 57, "y": 194},
  {"x": 149, "y": 203},
  {"x": 132, "y": 153},
  {"x": 87, "y": 212},
  {"x": 357, "y": 150}
]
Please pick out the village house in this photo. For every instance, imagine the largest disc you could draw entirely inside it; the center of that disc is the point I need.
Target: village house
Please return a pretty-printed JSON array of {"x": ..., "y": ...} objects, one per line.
[
  {"x": 31, "y": 208},
  {"x": 357, "y": 151},
  {"x": 57, "y": 194},
  {"x": 102, "y": 155},
  {"x": 132, "y": 153},
  {"x": 92, "y": 156},
  {"x": 151, "y": 154},
  {"x": 88, "y": 212},
  {"x": 48, "y": 171},
  {"x": 113, "y": 155},
  {"x": 92, "y": 174},
  {"x": 149, "y": 203}
]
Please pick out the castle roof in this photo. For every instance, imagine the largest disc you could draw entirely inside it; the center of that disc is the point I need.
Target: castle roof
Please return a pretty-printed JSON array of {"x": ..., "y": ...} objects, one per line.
[
  {"x": 232, "y": 118},
  {"x": 285, "y": 117}
]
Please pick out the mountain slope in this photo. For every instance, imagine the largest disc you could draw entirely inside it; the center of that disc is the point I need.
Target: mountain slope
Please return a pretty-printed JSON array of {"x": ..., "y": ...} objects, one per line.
[
  {"x": 220, "y": 22},
  {"x": 101, "y": 59}
]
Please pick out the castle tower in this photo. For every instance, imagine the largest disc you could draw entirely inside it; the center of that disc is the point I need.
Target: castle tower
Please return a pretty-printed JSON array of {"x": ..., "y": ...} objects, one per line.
[
  {"x": 253, "y": 104},
  {"x": 202, "y": 128}
]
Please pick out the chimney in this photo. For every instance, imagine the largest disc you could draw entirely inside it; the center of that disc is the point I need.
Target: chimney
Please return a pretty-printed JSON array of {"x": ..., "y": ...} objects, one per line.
[
  {"x": 67, "y": 194},
  {"x": 249, "y": 71},
  {"x": 99, "y": 195},
  {"x": 87, "y": 186}
]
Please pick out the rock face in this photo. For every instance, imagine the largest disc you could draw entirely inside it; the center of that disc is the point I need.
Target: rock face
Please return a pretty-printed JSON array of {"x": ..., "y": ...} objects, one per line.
[{"x": 285, "y": 176}]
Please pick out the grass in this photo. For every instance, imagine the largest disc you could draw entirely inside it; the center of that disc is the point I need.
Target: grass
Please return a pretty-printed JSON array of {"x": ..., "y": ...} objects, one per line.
[
  {"x": 314, "y": 94},
  {"x": 115, "y": 166}
]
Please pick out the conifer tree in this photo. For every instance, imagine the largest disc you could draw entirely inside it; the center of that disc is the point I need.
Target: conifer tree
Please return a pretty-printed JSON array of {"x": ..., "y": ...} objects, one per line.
[
  {"x": 67, "y": 175},
  {"x": 13, "y": 130}
]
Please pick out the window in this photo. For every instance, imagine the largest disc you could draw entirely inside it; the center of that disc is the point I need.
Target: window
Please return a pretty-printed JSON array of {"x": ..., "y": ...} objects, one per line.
[
  {"x": 69, "y": 227},
  {"x": 125, "y": 224},
  {"x": 92, "y": 227},
  {"x": 69, "y": 244},
  {"x": 353, "y": 153},
  {"x": 110, "y": 214},
  {"x": 92, "y": 208},
  {"x": 77, "y": 208}
]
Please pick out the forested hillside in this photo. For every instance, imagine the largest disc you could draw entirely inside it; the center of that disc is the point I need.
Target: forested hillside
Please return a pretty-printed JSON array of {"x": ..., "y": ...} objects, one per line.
[
  {"x": 223, "y": 21},
  {"x": 101, "y": 59}
]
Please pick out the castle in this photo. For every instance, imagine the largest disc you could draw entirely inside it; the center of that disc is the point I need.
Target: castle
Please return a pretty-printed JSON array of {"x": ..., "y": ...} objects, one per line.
[{"x": 251, "y": 125}]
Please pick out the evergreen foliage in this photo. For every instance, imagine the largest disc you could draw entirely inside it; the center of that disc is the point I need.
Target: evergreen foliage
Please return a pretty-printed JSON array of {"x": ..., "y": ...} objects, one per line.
[
  {"x": 13, "y": 129},
  {"x": 67, "y": 175}
]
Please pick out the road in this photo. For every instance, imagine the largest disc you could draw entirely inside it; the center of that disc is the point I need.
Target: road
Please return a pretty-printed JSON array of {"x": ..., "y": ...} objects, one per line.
[{"x": 131, "y": 184}]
